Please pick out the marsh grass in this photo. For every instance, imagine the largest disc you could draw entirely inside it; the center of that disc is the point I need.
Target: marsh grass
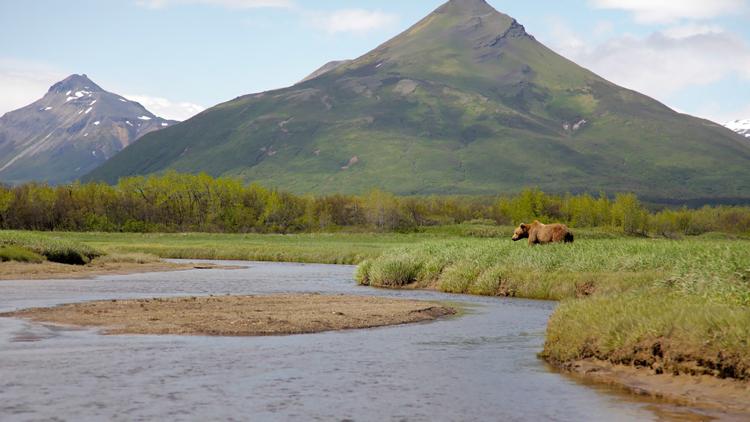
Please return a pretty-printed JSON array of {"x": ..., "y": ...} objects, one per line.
[
  {"x": 676, "y": 306},
  {"x": 393, "y": 272},
  {"x": 126, "y": 258},
  {"x": 332, "y": 248},
  {"x": 53, "y": 248},
  {"x": 19, "y": 254},
  {"x": 657, "y": 327},
  {"x": 459, "y": 277},
  {"x": 323, "y": 248},
  {"x": 566, "y": 271}
]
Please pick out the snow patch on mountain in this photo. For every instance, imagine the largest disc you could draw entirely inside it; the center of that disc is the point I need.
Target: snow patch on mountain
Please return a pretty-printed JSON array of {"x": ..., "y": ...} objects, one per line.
[{"x": 740, "y": 126}]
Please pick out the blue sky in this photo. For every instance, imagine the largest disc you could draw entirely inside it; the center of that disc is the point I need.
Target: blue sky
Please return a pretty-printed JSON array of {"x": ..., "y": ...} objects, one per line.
[{"x": 177, "y": 56}]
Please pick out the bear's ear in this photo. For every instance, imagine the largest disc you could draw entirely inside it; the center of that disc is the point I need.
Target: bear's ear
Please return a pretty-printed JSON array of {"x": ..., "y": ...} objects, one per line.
[{"x": 523, "y": 226}]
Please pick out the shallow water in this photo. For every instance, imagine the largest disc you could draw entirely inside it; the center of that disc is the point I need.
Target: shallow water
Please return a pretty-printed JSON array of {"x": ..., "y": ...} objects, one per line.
[{"x": 481, "y": 366}]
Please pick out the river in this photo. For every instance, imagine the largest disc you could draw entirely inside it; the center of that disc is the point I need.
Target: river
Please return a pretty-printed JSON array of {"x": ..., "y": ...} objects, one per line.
[{"x": 481, "y": 366}]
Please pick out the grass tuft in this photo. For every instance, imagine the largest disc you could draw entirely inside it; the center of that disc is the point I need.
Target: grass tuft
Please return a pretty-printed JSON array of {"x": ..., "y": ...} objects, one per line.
[
  {"x": 396, "y": 271},
  {"x": 19, "y": 254},
  {"x": 458, "y": 278}
]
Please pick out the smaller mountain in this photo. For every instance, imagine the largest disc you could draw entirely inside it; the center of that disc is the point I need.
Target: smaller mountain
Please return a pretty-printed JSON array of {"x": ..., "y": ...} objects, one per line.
[
  {"x": 740, "y": 126},
  {"x": 73, "y": 129}
]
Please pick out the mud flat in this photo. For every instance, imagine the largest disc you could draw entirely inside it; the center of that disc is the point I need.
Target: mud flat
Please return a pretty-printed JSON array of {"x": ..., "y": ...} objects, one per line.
[
  {"x": 238, "y": 315},
  {"x": 728, "y": 397},
  {"x": 51, "y": 270}
]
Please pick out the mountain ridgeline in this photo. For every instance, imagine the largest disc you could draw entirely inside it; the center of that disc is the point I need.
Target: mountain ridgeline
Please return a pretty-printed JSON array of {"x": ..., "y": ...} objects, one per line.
[
  {"x": 464, "y": 102},
  {"x": 73, "y": 129}
]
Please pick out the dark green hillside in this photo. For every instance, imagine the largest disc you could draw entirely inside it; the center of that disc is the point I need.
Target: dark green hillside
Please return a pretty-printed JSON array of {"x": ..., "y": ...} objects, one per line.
[{"x": 465, "y": 101}]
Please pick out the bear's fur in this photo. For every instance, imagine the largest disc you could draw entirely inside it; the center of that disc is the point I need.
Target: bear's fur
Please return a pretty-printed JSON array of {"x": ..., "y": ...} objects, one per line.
[{"x": 539, "y": 234}]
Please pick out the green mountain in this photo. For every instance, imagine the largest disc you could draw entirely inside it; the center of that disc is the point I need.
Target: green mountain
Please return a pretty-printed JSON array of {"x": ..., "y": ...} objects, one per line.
[{"x": 465, "y": 101}]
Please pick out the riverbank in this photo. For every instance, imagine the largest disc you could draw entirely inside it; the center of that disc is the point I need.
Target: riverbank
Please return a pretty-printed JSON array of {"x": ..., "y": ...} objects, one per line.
[
  {"x": 730, "y": 397},
  {"x": 676, "y": 307},
  {"x": 109, "y": 265},
  {"x": 51, "y": 270},
  {"x": 238, "y": 315}
]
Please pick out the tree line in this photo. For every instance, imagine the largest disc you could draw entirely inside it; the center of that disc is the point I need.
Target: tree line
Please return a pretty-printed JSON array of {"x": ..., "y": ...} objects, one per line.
[{"x": 184, "y": 202}]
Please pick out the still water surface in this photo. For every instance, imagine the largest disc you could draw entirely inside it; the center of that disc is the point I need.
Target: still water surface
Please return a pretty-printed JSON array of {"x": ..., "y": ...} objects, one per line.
[{"x": 481, "y": 366}]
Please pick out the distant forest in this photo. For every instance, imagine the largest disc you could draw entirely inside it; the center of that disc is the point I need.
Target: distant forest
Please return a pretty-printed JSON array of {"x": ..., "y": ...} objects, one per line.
[{"x": 177, "y": 202}]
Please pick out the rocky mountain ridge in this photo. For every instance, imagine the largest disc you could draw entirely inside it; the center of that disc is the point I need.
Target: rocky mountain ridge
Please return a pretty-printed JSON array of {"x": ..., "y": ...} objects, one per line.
[{"x": 74, "y": 128}]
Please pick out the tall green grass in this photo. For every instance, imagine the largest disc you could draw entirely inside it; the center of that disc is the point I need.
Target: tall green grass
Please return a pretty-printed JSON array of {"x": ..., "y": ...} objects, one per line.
[
  {"x": 53, "y": 248},
  {"x": 557, "y": 272},
  {"x": 666, "y": 330},
  {"x": 15, "y": 253},
  {"x": 675, "y": 306},
  {"x": 323, "y": 248}
]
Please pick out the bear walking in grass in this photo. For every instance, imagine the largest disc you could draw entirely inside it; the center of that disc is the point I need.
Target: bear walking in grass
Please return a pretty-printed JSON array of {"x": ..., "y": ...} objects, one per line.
[{"x": 540, "y": 234}]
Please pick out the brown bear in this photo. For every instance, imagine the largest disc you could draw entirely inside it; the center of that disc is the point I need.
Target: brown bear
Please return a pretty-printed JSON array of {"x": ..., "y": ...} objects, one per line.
[{"x": 539, "y": 234}]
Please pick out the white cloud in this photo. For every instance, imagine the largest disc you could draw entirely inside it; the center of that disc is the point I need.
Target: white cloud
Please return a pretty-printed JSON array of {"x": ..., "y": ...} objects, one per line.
[
  {"x": 667, "y": 11},
  {"x": 663, "y": 64},
  {"x": 232, "y": 4},
  {"x": 351, "y": 20},
  {"x": 23, "y": 82},
  {"x": 603, "y": 28},
  {"x": 332, "y": 22},
  {"x": 691, "y": 30},
  {"x": 167, "y": 109}
]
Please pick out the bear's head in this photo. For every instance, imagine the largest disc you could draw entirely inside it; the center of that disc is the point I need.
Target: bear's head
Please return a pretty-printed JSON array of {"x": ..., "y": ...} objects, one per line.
[{"x": 522, "y": 232}]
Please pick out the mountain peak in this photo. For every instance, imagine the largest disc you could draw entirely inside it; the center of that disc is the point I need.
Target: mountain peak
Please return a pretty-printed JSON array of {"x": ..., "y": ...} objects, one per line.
[
  {"x": 467, "y": 7},
  {"x": 74, "y": 128},
  {"x": 75, "y": 83}
]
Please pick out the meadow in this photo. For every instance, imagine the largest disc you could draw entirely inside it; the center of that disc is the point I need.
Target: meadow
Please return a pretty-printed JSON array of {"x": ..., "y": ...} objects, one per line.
[{"x": 324, "y": 248}]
